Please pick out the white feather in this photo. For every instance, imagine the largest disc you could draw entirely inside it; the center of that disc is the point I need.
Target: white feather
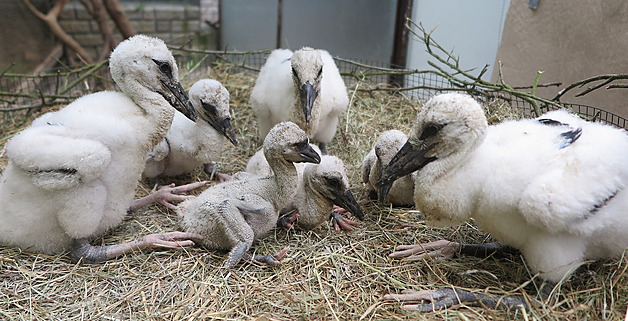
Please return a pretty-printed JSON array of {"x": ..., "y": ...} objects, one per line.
[
  {"x": 275, "y": 97},
  {"x": 73, "y": 172},
  {"x": 189, "y": 144},
  {"x": 558, "y": 203},
  {"x": 386, "y": 146}
]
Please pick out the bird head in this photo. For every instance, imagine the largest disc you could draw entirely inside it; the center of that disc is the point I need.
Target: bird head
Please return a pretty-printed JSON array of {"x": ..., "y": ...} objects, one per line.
[
  {"x": 289, "y": 142},
  {"x": 447, "y": 128},
  {"x": 211, "y": 101},
  {"x": 307, "y": 73},
  {"x": 145, "y": 62},
  {"x": 329, "y": 179}
]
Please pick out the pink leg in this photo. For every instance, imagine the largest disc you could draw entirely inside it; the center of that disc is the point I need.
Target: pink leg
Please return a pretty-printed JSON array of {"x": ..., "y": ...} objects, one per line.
[
  {"x": 287, "y": 222},
  {"x": 341, "y": 223},
  {"x": 438, "y": 299},
  {"x": 165, "y": 195},
  {"x": 268, "y": 259},
  {"x": 213, "y": 172},
  {"x": 441, "y": 249},
  {"x": 82, "y": 250}
]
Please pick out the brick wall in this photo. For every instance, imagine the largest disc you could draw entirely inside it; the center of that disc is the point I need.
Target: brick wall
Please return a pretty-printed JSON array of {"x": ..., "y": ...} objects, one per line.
[{"x": 173, "y": 22}]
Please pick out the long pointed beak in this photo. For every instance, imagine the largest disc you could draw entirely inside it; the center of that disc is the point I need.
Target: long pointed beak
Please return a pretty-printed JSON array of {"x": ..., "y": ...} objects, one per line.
[
  {"x": 309, "y": 155},
  {"x": 229, "y": 132},
  {"x": 176, "y": 96},
  {"x": 348, "y": 202},
  {"x": 210, "y": 114},
  {"x": 407, "y": 160},
  {"x": 308, "y": 95}
]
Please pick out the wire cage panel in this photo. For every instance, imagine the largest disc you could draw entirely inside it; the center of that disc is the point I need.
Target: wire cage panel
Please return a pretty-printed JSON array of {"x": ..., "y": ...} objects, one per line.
[{"x": 62, "y": 86}]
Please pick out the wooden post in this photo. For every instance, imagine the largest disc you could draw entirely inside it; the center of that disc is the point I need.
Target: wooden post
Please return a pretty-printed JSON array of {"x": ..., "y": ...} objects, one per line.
[
  {"x": 279, "y": 18},
  {"x": 400, "y": 44}
]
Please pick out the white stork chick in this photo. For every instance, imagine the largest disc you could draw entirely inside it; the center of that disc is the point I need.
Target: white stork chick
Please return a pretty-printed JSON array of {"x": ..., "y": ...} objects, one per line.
[
  {"x": 316, "y": 196},
  {"x": 189, "y": 144},
  {"x": 71, "y": 175},
  {"x": 321, "y": 186},
  {"x": 551, "y": 187},
  {"x": 386, "y": 146},
  {"x": 305, "y": 88},
  {"x": 231, "y": 215}
]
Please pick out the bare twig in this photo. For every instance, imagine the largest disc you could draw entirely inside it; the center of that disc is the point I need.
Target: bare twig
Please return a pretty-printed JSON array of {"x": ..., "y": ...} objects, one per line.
[
  {"x": 606, "y": 80},
  {"x": 59, "y": 96},
  {"x": 463, "y": 79}
]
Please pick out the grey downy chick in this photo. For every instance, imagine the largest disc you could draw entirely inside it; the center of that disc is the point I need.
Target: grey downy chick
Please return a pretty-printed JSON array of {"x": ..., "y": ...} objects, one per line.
[
  {"x": 320, "y": 187},
  {"x": 231, "y": 215}
]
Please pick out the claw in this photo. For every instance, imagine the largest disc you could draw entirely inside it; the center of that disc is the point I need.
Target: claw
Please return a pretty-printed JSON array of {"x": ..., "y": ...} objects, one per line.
[
  {"x": 269, "y": 259},
  {"x": 341, "y": 223},
  {"x": 287, "y": 222},
  {"x": 171, "y": 240},
  {"x": 165, "y": 195}
]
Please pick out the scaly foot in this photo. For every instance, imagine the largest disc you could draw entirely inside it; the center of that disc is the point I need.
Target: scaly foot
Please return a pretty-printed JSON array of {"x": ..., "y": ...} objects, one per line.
[
  {"x": 441, "y": 249},
  {"x": 448, "y": 297},
  {"x": 165, "y": 195},
  {"x": 341, "y": 223},
  {"x": 268, "y": 259}
]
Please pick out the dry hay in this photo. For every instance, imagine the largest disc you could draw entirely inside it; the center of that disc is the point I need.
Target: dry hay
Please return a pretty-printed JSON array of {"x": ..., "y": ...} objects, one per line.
[{"x": 325, "y": 276}]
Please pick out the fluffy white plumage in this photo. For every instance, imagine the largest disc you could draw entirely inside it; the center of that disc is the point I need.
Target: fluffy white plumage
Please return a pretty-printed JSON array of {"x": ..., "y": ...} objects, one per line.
[
  {"x": 386, "y": 146},
  {"x": 305, "y": 88},
  {"x": 190, "y": 144},
  {"x": 552, "y": 187},
  {"x": 72, "y": 173},
  {"x": 231, "y": 215}
]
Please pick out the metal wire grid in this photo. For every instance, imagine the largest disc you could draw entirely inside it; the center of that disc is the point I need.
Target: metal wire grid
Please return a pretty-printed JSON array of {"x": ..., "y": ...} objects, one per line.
[{"x": 28, "y": 90}]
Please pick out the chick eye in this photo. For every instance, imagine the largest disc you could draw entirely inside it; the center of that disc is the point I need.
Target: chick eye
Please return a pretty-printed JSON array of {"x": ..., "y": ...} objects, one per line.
[
  {"x": 334, "y": 182},
  {"x": 301, "y": 145},
  {"x": 164, "y": 67},
  {"x": 431, "y": 130},
  {"x": 320, "y": 72}
]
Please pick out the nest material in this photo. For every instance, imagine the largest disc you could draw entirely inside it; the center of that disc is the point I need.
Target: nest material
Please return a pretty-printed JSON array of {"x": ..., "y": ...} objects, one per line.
[{"x": 325, "y": 276}]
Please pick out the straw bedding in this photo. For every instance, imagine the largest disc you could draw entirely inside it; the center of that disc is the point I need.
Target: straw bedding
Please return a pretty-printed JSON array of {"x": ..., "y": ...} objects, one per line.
[{"x": 326, "y": 275}]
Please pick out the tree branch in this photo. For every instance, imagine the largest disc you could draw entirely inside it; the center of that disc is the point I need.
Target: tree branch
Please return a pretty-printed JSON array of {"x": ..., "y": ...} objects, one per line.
[
  {"x": 100, "y": 15},
  {"x": 51, "y": 19},
  {"x": 119, "y": 18},
  {"x": 606, "y": 80},
  {"x": 464, "y": 79}
]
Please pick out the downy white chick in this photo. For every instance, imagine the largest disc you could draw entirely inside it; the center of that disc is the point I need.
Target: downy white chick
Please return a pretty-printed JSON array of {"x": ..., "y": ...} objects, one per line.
[
  {"x": 190, "y": 144},
  {"x": 231, "y": 215},
  {"x": 305, "y": 88},
  {"x": 71, "y": 175},
  {"x": 386, "y": 146},
  {"x": 551, "y": 187}
]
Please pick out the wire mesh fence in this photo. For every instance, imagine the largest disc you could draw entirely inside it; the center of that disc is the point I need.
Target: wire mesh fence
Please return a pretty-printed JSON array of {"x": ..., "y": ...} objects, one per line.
[{"x": 60, "y": 86}]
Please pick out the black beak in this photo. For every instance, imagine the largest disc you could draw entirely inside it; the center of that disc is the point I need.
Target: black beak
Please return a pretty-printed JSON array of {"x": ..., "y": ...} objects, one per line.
[
  {"x": 407, "y": 160},
  {"x": 221, "y": 125},
  {"x": 309, "y": 155},
  {"x": 308, "y": 95},
  {"x": 347, "y": 201},
  {"x": 173, "y": 92}
]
